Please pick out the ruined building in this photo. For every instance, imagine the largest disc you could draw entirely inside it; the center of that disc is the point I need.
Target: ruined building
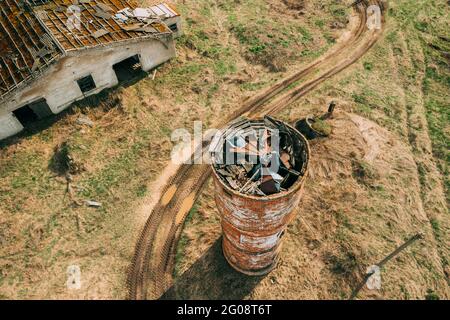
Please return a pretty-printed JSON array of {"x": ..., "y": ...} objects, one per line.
[{"x": 55, "y": 52}]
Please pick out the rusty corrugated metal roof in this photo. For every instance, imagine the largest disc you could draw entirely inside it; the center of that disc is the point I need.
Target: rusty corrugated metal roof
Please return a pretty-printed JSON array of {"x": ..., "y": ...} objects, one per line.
[
  {"x": 56, "y": 16},
  {"x": 34, "y": 33},
  {"x": 25, "y": 46}
]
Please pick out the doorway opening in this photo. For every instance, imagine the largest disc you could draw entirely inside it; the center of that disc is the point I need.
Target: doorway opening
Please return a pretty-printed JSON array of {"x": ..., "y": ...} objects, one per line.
[
  {"x": 32, "y": 112},
  {"x": 129, "y": 70}
]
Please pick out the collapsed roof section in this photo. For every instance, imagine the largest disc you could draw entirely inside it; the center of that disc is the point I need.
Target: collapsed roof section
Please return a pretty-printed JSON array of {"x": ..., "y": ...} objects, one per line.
[
  {"x": 102, "y": 22},
  {"x": 35, "y": 33},
  {"x": 25, "y": 46}
]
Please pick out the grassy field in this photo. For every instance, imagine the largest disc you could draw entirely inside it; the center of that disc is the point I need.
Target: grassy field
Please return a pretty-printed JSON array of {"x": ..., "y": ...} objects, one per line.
[
  {"x": 230, "y": 50},
  {"x": 356, "y": 211}
]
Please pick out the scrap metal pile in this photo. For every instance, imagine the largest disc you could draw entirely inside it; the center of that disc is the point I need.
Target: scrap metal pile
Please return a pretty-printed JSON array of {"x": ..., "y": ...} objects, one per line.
[
  {"x": 138, "y": 19},
  {"x": 86, "y": 23},
  {"x": 130, "y": 19},
  {"x": 25, "y": 46},
  {"x": 259, "y": 158}
]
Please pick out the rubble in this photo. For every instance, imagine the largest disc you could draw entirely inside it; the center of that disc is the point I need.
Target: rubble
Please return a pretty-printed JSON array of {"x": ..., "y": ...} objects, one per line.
[
  {"x": 258, "y": 159},
  {"x": 103, "y": 7},
  {"x": 85, "y": 120},
  {"x": 148, "y": 20},
  {"x": 136, "y": 20},
  {"x": 93, "y": 204},
  {"x": 86, "y": 47},
  {"x": 100, "y": 33}
]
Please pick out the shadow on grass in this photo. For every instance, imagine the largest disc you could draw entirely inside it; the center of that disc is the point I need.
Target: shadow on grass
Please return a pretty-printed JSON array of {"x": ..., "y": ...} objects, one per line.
[
  {"x": 211, "y": 277},
  {"x": 107, "y": 98}
]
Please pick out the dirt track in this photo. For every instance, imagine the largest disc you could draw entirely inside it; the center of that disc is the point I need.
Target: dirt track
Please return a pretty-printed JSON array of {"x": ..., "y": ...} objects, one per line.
[{"x": 152, "y": 267}]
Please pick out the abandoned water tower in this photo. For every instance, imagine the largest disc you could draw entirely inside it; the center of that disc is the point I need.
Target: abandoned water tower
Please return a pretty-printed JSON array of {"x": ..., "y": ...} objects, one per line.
[
  {"x": 55, "y": 52},
  {"x": 259, "y": 184}
]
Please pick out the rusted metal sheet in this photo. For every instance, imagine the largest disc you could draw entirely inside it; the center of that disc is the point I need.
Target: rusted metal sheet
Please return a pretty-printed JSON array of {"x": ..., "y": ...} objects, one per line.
[
  {"x": 95, "y": 16},
  {"x": 25, "y": 46},
  {"x": 253, "y": 226}
]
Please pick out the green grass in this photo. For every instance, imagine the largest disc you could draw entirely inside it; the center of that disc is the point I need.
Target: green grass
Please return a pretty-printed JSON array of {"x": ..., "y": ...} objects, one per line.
[
  {"x": 436, "y": 88},
  {"x": 368, "y": 66},
  {"x": 424, "y": 26},
  {"x": 436, "y": 82},
  {"x": 431, "y": 295},
  {"x": 115, "y": 173}
]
